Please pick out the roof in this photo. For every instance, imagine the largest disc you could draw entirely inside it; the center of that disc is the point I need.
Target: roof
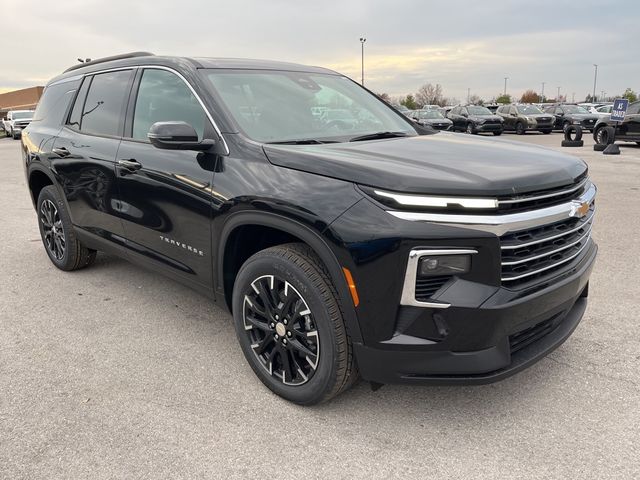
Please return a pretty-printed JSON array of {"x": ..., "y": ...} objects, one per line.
[{"x": 146, "y": 58}]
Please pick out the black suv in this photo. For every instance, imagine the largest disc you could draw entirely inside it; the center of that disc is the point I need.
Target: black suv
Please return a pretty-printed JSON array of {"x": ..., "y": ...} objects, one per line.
[
  {"x": 569, "y": 114},
  {"x": 522, "y": 118},
  {"x": 364, "y": 247},
  {"x": 475, "y": 119},
  {"x": 627, "y": 131}
]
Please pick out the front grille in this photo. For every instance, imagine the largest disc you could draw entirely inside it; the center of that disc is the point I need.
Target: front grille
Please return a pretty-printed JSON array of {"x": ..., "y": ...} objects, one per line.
[
  {"x": 526, "y": 337},
  {"x": 543, "y": 198},
  {"x": 536, "y": 253},
  {"x": 427, "y": 287},
  {"x": 21, "y": 124}
]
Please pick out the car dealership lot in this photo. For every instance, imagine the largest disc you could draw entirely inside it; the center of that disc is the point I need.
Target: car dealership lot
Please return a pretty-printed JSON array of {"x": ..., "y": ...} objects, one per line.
[{"x": 116, "y": 372}]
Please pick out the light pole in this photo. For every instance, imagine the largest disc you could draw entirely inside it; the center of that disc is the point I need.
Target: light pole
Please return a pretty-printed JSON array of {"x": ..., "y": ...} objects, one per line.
[
  {"x": 558, "y": 97},
  {"x": 468, "y": 94},
  {"x": 603, "y": 95},
  {"x": 573, "y": 97},
  {"x": 362, "y": 40},
  {"x": 505, "y": 85},
  {"x": 542, "y": 94},
  {"x": 595, "y": 80}
]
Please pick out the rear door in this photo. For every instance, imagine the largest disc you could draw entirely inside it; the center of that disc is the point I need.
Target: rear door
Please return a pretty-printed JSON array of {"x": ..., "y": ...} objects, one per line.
[
  {"x": 165, "y": 195},
  {"x": 630, "y": 128},
  {"x": 85, "y": 150}
]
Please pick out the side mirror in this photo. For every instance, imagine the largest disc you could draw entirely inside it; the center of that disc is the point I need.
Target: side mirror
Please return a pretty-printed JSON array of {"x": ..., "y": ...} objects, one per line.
[{"x": 177, "y": 136}]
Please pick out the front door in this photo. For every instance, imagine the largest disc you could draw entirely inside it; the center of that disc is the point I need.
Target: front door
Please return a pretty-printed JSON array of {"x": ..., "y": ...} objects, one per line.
[{"x": 165, "y": 195}]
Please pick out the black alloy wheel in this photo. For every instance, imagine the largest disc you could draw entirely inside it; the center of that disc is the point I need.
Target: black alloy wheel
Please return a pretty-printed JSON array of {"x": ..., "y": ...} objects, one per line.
[
  {"x": 470, "y": 128},
  {"x": 281, "y": 330},
  {"x": 54, "y": 237},
  {"x": 520, "y": 130},
  {"x": 289, "y": 323}
]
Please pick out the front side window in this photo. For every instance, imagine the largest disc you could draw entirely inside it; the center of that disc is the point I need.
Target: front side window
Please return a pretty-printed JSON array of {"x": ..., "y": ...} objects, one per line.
[
  {"x": 529, "y": 110},
  {"x": 575, "y": 109},
  {"x": 164, "y": 97},
  {"x": 281, "y": 106},
  {"x": 103, "y": 107},
  {"x": 479, "y": 111}
]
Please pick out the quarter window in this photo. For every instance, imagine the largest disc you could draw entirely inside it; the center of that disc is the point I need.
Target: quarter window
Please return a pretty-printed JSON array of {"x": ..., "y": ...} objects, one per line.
[
  {"x": 102, "y": 111},
  {"x": 164, "y": 97}
]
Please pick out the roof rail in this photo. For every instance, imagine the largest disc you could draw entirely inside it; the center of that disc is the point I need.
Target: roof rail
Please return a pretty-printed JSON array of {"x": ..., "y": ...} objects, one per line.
[{"x": 109, "y": 59}]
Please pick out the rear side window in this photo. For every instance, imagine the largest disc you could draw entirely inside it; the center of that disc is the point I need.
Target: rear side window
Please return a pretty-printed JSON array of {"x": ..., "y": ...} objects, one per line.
[
  {"x": 102, "y": 112},
  {"x": 633, "y": 109},
  {"x": 164, "y": 97},
  {"x": 76, "y": 113},
  {"x": 53, "y": 105}
]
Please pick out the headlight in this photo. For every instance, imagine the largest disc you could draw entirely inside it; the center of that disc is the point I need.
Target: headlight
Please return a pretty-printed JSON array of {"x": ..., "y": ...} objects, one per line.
[{"x": 430, "y": 266}]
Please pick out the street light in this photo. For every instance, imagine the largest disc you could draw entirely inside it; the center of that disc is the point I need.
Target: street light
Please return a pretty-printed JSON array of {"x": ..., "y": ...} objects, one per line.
[
  {"x": 505, "y": 85},
  {"x": 362, "y": 40},
  {"x": 595, "y": 79},
  {"x": 468, "y": 94},
  {"x": 542, "y": 94},
  {"x": 558, "y": 97}
]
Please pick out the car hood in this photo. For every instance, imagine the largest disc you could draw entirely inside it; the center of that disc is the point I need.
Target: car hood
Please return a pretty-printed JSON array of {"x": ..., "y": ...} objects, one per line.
[
  {"x": 485, "y": 117},
  {"x": 443, "y": 163},
  {"x": 435, "y": 120}
]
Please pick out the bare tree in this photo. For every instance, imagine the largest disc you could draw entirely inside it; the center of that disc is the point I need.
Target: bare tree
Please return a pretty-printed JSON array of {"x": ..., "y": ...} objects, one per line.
[
  {"x": 475, "y": 100},
  {"x": 429, "y": 94}
]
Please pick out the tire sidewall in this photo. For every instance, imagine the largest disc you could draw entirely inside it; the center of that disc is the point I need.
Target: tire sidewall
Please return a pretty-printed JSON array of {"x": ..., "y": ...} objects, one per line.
[
  {"x": 67, "y": 260},
  {"x": 324, "y": 377}
]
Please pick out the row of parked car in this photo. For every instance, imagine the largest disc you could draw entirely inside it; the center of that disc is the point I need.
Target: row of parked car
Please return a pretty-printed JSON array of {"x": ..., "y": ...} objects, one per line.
[{"x": 521, "y": 118}]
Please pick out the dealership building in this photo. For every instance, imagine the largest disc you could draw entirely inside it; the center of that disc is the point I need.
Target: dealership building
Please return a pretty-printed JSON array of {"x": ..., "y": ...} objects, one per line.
[{"x": 25, "y": 99}]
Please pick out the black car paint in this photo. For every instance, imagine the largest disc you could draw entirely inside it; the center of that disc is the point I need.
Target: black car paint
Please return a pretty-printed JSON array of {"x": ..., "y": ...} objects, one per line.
[
  {"x": 182, "y": 201},
  {"x": 628, "y": 130},
  {"x": 479, "y": 123},
  {"x": 562, "y": 118}
]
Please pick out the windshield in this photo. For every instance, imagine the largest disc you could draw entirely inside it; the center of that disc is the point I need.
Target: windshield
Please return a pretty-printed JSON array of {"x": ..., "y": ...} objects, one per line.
[
  {"x": 529, "y": 110},
  {"x": 281, "y": 106},
  {"x": 479, "y": 111},
  {"x": 574, "y": 109},
  {"x": 430, "y": 114},
  {"x": 21, "y": 115}
]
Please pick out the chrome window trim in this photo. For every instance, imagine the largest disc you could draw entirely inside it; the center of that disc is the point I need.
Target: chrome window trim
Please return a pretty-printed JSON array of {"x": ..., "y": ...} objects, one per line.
[
  {"x": 411, "y": 275},
  {"x": 172, "y": 70},
  {"x": 501, "y": 224},
  {"x": 547, "y": 195},
  {"x": 444, "y": 202}
]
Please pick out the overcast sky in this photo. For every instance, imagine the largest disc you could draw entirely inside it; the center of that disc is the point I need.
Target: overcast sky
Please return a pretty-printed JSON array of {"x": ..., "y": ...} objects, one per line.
[{"x": 459, "y": 44}]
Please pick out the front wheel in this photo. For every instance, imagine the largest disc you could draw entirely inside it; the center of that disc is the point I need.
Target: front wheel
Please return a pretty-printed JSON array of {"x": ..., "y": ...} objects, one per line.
[
  {"x": 290, "y": 325},
  {"x": 470, "y": 129},
  {"x": 546, "y": 132},
  {"x": 57, "y": 233},
  {"x": 520, "y": 130},
  {"x": 497, "y": 134}
]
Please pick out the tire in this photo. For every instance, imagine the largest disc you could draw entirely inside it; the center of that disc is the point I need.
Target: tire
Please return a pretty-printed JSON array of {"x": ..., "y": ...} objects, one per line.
[
  {"x": 598, "y": 147},
  {"x": 604, "y": 135},
  {"x": 520, "y": 130},
  {"x": 61, "y": 243},
  {"x": 546, "y": 132},
  {"x": 470, "y": 130},
  {"x": 15, "y": 136},
  {"x": 263, "y": 333},
  {"x": 497, "y": 134},
  {"x": 577, "y": 129},
  {"x": 638, "y": 143},
  {"x": 572, "y": 143},
  {"x": 565, "y": 125}
]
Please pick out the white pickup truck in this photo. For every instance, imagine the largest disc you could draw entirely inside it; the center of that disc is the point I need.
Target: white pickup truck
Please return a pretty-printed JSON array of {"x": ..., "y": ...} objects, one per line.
[{"x": 16, "y": 121}]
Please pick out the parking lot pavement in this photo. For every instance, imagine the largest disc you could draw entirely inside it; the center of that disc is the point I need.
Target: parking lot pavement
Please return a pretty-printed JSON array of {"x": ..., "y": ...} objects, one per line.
[{"x": 115, "y": 372}]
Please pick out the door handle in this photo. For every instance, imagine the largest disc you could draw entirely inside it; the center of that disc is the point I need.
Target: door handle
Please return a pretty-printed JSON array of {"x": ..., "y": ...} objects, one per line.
[
  {"x": 130, "y": 164},
  {"x": 61, "y": 152}
]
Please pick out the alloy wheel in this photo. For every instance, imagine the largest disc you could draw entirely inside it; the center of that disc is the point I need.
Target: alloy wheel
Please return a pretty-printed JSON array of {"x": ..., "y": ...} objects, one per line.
[
  {"x": 52, "y": 229},
  {"x": 281, "y": 330}
]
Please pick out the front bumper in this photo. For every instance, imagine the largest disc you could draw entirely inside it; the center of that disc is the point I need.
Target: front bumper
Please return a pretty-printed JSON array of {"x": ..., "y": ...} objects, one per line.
[
  {"x": 489, "y": 127},
  {"x": 497, "y": 327}
]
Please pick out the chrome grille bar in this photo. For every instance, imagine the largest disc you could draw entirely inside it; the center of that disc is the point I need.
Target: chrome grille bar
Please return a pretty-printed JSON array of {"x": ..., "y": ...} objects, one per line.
[{"x": 587, "y": 235}]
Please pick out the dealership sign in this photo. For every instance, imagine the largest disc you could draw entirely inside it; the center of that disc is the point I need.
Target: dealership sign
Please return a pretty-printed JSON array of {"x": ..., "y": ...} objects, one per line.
[{"x": 619, "y": 109}]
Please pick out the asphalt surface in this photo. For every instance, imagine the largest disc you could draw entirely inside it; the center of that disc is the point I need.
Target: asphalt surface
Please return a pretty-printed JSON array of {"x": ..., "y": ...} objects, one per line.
[{"x": 115, "y": 372}]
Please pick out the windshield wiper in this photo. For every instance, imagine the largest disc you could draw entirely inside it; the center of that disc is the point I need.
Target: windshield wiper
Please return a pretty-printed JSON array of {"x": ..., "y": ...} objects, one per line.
[
  {"x": 378, "y": 135},
  {"x": 303, "y": 141}
]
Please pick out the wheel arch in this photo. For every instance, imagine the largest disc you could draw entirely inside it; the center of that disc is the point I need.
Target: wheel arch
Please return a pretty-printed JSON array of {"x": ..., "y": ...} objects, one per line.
[
  {"x": 38, "y": 179},
  {"x": 285, "y": 230}
]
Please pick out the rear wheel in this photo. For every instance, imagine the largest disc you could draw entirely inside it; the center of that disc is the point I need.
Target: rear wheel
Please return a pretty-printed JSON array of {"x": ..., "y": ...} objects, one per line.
[
  {"x": 497, "y": 134},
  {"x": 290, "y": 326},
  {"x": 546, "y": 132},
  {"x": 520, "y": 130},
  {"x": 57, "y": 233}
]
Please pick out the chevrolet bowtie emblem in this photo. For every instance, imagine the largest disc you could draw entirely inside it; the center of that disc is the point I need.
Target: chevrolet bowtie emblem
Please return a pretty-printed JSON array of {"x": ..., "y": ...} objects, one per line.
[{"x": 579, "y": 209}]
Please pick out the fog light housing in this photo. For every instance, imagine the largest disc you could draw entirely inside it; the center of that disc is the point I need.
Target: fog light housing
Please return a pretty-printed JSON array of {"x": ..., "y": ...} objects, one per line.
[{"x": 437, "y": 265}]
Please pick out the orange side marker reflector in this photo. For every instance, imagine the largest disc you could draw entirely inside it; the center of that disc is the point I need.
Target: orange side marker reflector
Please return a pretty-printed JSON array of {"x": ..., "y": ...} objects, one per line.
[{"x": 352, "y": 286}]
